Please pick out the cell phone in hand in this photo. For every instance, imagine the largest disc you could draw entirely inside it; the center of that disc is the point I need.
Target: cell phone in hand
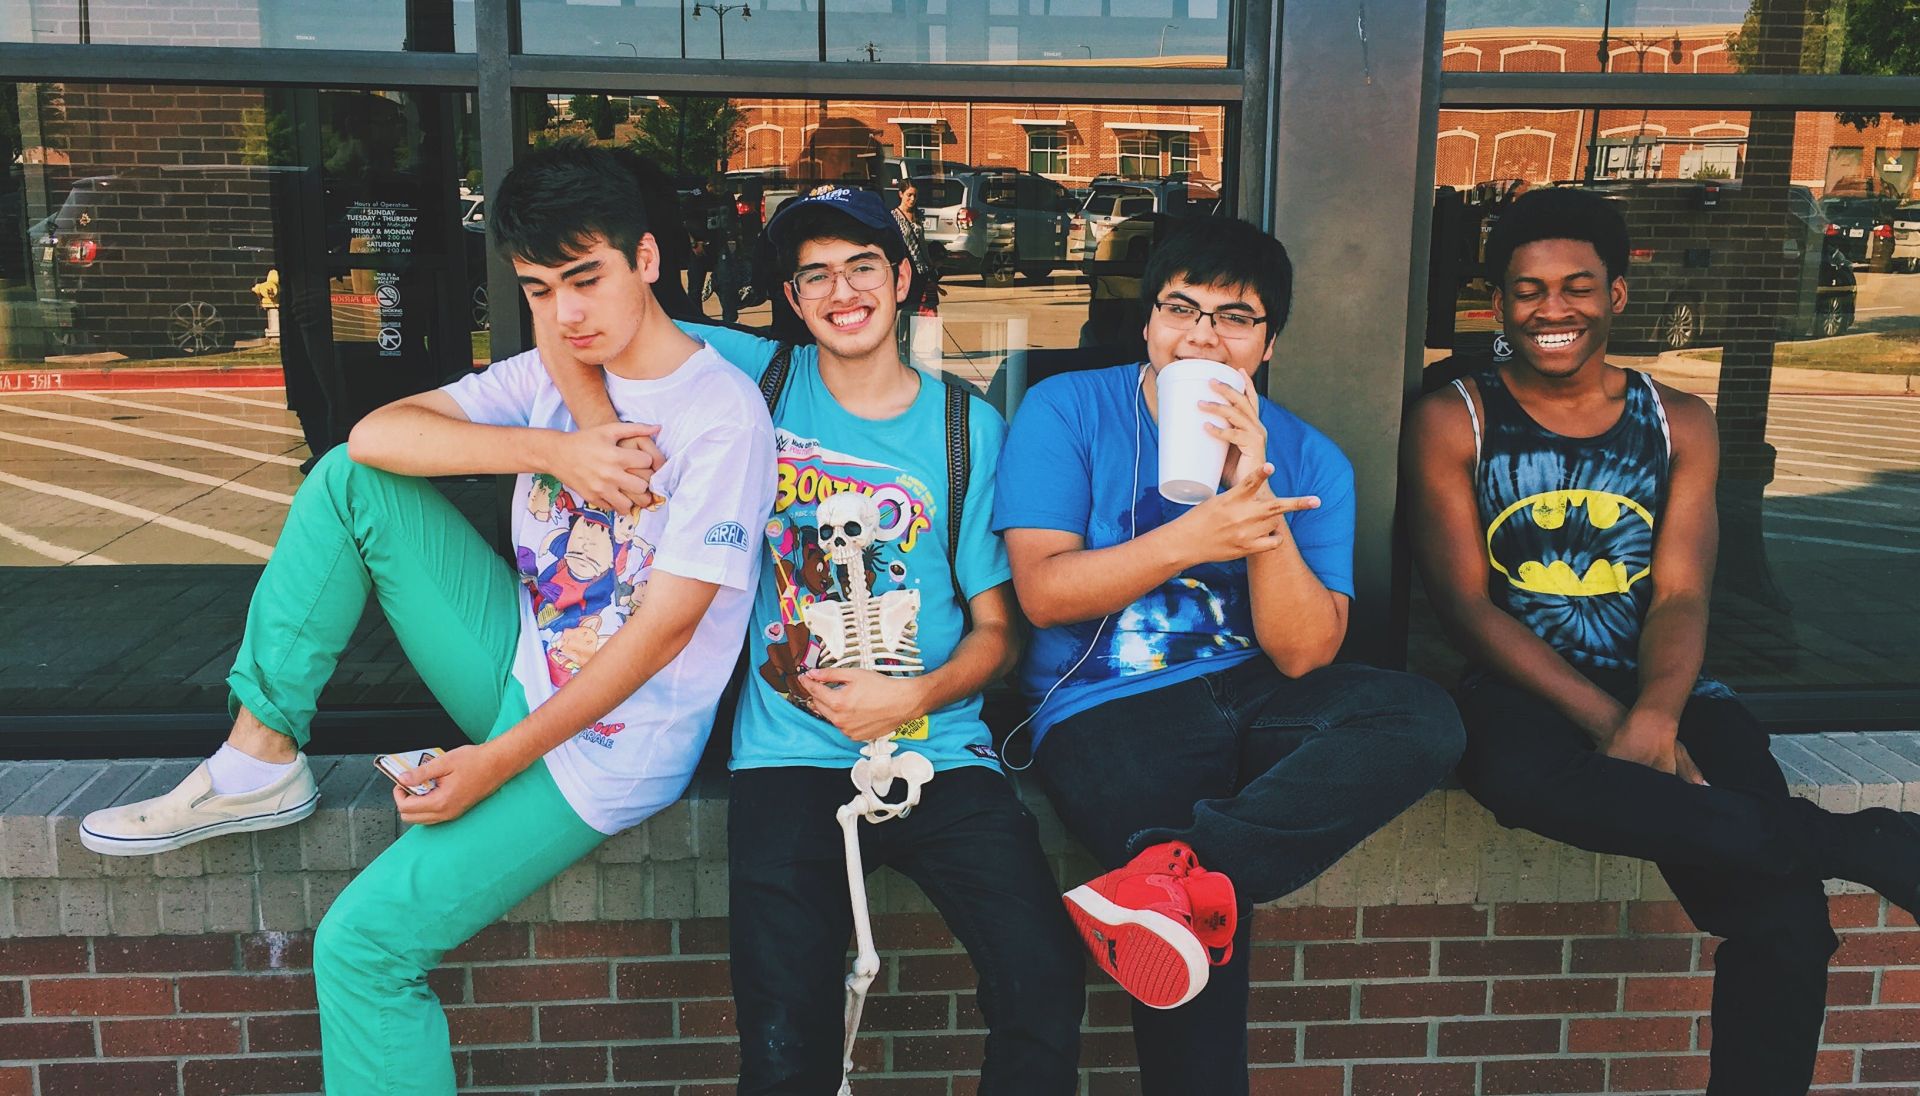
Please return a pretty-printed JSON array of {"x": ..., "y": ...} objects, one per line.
[{"x": 397, "y": 765}]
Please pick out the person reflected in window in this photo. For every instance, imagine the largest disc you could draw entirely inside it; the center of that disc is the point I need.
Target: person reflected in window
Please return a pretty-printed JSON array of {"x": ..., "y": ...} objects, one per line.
[
  {"x": 1563, "y": 517},
  {"x": 586, "y": 678},
  {"x": 876, "y": 618},
  {"x": 923, "y": 295},
  {"x": 1190, "y": 722}
]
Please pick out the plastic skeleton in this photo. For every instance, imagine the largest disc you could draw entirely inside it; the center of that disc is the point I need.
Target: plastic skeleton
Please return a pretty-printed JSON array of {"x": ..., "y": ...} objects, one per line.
[
  {"x": 869, "y": 631},
  {"x": 879, "y": 766}
]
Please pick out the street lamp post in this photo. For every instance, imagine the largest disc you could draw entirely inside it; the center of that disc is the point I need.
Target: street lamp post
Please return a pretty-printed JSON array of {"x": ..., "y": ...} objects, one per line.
[
  {"x": 722, "y": 10},
  {"x": 1162, "y": 51}
]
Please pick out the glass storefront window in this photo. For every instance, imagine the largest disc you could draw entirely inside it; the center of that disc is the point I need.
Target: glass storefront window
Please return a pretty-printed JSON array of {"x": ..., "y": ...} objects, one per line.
[
  {"x": 1037, "y": 269},
  {"x": 1068, "y": 33},
  {"x": 430, "y": 26},
  {"x": 1714, "y": 37},
  {"x": 201, "y": 288},
  {"x": 1775, "y": 272}
]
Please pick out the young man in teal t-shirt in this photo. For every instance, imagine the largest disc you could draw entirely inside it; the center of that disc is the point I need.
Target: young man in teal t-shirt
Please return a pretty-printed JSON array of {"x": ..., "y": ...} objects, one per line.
[{"x": 859, "y": 632}]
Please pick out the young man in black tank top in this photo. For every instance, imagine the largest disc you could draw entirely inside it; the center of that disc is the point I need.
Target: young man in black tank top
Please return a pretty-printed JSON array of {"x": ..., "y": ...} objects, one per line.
[{"x": 1565, "y": 517}]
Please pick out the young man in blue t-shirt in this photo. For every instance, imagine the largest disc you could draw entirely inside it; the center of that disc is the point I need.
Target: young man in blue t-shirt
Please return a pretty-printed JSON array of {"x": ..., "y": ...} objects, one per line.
[
  {"x": 858, "y": 632},
  {"x": 1190, "y": 725}
]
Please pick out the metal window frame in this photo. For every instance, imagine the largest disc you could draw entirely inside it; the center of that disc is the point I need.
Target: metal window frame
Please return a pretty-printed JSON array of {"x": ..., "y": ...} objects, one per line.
[
  {"x": 496, "y": 72},
  {"x": 1782, "y": 710}
]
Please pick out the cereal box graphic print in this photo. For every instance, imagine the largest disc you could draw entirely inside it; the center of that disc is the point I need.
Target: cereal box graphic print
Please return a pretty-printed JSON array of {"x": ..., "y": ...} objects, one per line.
[{"x": 840, "y": 536}]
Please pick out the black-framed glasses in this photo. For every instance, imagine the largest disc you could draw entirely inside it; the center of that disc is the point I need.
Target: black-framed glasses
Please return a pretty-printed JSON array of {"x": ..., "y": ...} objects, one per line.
[
  {"x": 1230, "y": 325},
  {"x": 866, "y": 274}
]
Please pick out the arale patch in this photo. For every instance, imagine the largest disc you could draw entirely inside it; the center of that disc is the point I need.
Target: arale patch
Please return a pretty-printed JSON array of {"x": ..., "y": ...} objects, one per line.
[{"x": 731, "y": 534}]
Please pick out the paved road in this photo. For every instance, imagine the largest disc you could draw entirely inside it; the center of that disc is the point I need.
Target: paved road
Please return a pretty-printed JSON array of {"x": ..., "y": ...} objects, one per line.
[
  {"x": 189, "y": 476},
  {"x": 168, "y": 476}
]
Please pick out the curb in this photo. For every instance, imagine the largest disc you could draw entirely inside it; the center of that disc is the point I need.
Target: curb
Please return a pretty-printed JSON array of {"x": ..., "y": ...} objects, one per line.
[{"x": 125, "y": 380}]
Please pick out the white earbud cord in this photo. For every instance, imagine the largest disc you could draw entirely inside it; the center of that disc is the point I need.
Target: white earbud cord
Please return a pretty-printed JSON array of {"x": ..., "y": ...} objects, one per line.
[{"x": 1133, "y": 531}]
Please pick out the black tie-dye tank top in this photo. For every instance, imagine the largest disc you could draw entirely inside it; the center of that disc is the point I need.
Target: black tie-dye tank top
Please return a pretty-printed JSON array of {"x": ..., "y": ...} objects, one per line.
[{"x": 1568, "y": 523}]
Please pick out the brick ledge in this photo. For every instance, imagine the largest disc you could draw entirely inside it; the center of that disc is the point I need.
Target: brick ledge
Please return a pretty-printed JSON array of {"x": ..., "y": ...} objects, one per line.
[{"x": 1445, "y": 851}]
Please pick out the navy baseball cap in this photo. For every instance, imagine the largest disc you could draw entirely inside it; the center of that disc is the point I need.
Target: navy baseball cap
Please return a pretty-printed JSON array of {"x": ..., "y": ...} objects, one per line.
[{"x": 863, "y": 206}]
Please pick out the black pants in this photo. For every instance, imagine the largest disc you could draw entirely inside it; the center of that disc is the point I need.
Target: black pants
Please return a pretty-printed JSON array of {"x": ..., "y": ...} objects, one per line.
[
  {"x": 1271, "y": 779},
  {"x": 1740, "y": 854},
  {"x": 972, "y": 846}
]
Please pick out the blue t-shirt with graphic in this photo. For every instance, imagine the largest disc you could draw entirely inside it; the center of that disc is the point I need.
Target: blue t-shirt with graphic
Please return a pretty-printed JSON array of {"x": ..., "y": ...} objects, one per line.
[
  {"x": 1083, "y": 457},
  {"x": 857, "y": 572}
]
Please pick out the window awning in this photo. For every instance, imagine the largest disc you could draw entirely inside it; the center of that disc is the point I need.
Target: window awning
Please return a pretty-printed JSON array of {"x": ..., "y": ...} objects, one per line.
[
  {"x": 916, "y": 121},
  {"x": 1170, "y": 127},
  {"x": 1040, "y": 122}
]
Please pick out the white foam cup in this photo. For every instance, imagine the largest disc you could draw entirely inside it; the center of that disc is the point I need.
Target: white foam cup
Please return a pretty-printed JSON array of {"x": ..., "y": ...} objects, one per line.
[{"x": 1191, "y": 460}]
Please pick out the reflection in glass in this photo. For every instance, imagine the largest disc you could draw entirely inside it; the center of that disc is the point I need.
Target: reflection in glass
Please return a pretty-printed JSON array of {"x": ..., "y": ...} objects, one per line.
[
  {"x": 1861, "y": 37},
  {"x": 1034, "y": 219},
  {"x": 1771, "y": 275},
  {"x": 423, "y": 25},
  {"x": 1154, "y": 33},
  {"x": 261, "y": 276}
]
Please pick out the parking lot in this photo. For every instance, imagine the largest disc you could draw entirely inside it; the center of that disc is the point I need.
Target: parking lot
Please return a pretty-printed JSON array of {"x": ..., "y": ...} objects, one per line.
[{"x": 204, "y": 475}]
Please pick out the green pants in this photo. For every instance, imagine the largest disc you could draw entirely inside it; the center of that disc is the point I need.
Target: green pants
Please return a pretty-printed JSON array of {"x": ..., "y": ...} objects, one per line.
[{"x": 454, "y": 606}]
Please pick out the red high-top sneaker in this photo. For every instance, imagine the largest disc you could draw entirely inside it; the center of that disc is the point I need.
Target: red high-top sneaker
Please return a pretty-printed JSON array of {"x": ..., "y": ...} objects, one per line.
[{"x": 1138, "y": 922}]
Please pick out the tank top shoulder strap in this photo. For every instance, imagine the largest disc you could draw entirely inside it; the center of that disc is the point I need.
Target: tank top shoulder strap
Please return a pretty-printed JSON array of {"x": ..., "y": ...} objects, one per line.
[
  {"x": 1657, "y": 406},
  {"x": 1473, "y": 413}
]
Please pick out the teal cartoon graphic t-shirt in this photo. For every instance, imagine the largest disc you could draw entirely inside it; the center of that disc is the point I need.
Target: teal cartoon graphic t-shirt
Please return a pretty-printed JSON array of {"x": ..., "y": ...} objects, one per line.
[{"x": 855, "y": 562}]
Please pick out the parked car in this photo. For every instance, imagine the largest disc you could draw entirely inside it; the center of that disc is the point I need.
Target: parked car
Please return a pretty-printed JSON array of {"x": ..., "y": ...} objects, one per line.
[
  {"x": 96, "y": 259},
  {"x": 1906, "y": 237},
  {"x": 1682, "y": 283},
  {"x": 1113, "y": 200},
  {"x": 1860, "y": 225},
  {"x": 999, "y": 223}
]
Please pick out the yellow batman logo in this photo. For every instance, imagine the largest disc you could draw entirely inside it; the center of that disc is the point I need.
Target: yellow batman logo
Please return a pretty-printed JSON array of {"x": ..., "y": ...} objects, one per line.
[{"x": 1548, "y": 510}]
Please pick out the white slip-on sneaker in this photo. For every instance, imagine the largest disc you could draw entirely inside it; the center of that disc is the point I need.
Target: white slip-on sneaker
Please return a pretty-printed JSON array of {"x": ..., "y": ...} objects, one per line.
[{"x": 192, "y": 812}]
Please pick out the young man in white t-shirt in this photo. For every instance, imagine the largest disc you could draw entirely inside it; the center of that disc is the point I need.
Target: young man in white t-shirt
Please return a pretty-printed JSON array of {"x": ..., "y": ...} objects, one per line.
[{"x": 586, "y": 678}]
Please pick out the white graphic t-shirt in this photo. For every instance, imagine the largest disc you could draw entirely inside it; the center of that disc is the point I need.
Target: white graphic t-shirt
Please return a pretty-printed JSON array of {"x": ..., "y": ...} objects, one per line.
[{"x": 585, "y": 571}]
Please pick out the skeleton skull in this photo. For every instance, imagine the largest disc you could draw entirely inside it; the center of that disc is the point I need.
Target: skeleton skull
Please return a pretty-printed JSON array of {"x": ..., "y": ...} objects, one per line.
[{"x": 849, "y": 521}]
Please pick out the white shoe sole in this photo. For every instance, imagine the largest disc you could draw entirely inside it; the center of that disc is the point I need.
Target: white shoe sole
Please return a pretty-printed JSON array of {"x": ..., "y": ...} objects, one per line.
[
  {"x": 1153, "y": 957},
  {"x": 108, "y": 845}
]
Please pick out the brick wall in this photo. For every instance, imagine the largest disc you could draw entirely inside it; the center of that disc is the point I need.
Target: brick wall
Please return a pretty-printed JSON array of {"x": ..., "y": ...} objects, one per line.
[
  {"x": 1444, "y": 955},
  {"x": 186, "y": 222},
  {"x": 1374, "y": 1001}
]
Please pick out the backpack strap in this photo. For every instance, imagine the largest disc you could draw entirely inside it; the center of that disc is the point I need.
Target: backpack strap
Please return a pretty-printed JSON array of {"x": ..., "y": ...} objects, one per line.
[
  {"x": 959, "y": 475},
  {"x": 774, "y": 381}
]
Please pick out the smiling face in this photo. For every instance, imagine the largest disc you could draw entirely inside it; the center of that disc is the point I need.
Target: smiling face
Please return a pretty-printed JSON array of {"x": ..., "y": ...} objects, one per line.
[
  {"x": 1168, "y": 342},
  {"x": 1557, "y": 305},
  {"x": 848, "y": 323},
  {"x": 596, "y": 300}
]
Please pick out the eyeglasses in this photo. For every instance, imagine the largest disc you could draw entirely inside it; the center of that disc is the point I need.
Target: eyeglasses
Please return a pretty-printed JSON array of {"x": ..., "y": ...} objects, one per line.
[
  {"x": 1229, "y": 325},
  {"x": 814, "y": 284}
]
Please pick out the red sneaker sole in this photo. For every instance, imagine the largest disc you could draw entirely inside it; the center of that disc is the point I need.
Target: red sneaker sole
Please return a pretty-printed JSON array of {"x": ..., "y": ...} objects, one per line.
[{"x": 1153, "y": 957}]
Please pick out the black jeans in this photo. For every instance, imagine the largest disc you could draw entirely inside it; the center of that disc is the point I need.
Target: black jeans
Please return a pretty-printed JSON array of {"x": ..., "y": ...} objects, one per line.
[
  {"x": 972, "y": 847},
  {"x": 1271, "y": 779},
  {"x": 1741, "y": 855}
]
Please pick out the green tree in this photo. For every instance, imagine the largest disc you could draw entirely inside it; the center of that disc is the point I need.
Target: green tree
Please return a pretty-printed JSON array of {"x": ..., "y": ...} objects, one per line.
[
  {"x": 1854, "y": 37},
  {"x": 694, "y": 134},
  {"x": 596, "y": 112}
]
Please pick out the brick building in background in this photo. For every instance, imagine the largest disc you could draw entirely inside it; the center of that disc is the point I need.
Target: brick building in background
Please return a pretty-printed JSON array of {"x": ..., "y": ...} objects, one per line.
[{"x": 1070, "y": 143}]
